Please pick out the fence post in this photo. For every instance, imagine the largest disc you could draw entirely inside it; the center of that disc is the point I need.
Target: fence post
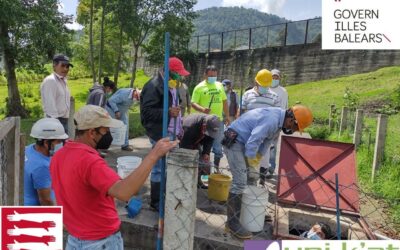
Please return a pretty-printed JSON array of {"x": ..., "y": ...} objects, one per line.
[
  {"x": 379, "y": 143},
  {"x": 222, "y": 41},
  {"x": 235, "y": 41},
  {"x": 284, "y": 42},
  {"x": 22, "y": 144},
  {"x": 180, "y": 199},
  {"x": 306, "y": 36},
  {"x": 17, "y": 164},
  {"x": 71, "y": 124},
  {"x": 250, "y": 38},
  {"x": 209, "y": 42},
  {"x": 343, "y": 120},
  {"x": 331, "y": 122},
  {"x": 358, "y": 127}
]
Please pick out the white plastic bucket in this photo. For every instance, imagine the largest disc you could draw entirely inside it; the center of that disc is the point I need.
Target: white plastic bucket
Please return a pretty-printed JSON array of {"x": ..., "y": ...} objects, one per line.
[
  {"x": 118, "y": 135},
  {"x": 127, "y": 164},
  {"x": 252, "y": 213}
]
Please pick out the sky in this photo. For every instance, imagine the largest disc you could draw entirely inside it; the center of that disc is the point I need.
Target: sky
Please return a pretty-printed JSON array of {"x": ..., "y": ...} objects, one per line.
[{"x": 290, "y": 9}]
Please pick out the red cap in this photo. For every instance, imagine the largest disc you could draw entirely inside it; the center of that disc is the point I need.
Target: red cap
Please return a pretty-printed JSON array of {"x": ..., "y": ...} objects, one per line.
[{"x": 176, "y": 65}]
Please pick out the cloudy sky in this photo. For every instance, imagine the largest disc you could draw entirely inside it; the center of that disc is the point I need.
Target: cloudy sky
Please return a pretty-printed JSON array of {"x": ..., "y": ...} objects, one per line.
[{"x": 290, "y": 9}]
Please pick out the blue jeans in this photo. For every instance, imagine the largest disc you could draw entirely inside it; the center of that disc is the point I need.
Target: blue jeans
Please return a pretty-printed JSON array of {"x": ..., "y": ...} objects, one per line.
[
  {"x": 217, "y": 146},
  {"x": 272, "y": 158},
  {"x": 112, "y": 242},
  {"x": 156, "y": 170}
]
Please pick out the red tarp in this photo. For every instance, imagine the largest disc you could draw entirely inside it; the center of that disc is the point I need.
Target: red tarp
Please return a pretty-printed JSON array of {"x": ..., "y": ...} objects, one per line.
[{"x": 307, "y": 171}]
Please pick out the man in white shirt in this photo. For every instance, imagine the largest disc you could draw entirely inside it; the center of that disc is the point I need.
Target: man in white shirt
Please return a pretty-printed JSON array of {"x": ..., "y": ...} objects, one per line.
[{"x": 55, "y": 93}]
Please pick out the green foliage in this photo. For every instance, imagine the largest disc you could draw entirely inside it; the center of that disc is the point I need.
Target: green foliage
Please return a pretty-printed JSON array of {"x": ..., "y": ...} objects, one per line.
[
  {"x": 351, "y": 100},
  {"x": 318, "y": 132}
]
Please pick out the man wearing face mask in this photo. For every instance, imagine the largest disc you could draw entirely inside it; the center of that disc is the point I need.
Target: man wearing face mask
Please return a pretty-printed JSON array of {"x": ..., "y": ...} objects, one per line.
[
  {"x": 209, "y": 98},
  {"x": 86, "y": 186},
  {"x": 151, "y": 114},
  {"x": 283, "y": 103},
  {"x": 118, "y": 105},
  {"x": 49, "y": 135},
  {"x": 232, "y": 98},
  {"x": 98, "y": 94},
  {"x": 246, "y": 141}
]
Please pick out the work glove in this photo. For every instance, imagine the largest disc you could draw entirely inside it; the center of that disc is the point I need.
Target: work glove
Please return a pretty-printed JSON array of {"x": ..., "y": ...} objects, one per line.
[{"x": 254, "y": 162}]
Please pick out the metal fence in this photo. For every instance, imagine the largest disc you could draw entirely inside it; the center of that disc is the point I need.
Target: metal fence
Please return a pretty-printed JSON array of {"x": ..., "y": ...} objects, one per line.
[
  {"x": 282, "y": 34},
  {"x": 11, "y": 153}
]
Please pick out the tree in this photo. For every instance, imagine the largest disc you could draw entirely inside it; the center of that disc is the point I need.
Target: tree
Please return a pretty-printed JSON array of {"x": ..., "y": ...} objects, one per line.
[{"x": 31, "y": 32}]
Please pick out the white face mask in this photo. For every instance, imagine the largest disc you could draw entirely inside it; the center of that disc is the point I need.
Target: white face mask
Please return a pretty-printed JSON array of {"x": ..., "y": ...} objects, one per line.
[
  {"x": 275, "y": 83},
  {"x": 56, "y": 148}
]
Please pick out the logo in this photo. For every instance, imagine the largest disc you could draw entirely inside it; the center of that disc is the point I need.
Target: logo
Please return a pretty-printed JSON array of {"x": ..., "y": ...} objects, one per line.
[
  {"x": 262, "y": 245},
  {"x": 359, "y": 24},
  {"x": 31, "y": 228}
]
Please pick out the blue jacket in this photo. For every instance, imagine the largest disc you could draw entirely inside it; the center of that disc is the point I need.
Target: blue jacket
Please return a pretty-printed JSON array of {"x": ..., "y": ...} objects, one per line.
[
  {"x": 258, "y": 128},
  {"x": 120, "y": 100}
]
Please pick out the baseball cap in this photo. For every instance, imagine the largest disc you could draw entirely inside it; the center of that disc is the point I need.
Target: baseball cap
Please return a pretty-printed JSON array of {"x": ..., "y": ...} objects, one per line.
[
  {"x": 62, "y": 58},
  {"x": 275, "y": 72},
  {"x": 176, "y": 65},
  {"x": 91, "y": 116},
  {"x": 226, "y": 81},
  {"x": 212, "y": 123}
]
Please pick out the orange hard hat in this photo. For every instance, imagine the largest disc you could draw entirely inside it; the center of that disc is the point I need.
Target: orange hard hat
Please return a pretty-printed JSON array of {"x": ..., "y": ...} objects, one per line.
[{"x": 303, "y": 116}]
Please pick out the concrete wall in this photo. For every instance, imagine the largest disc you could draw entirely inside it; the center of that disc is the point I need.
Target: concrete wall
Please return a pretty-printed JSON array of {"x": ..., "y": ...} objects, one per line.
[{"x": 299, "y": 63}]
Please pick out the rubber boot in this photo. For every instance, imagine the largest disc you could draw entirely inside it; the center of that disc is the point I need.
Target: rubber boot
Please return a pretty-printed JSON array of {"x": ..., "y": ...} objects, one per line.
[
  {"x": 263, "y": 175},
  {"x": 233, "y": 225},
  {"x": 155, "y": 195},
  {"x": 216, "y": 163}
]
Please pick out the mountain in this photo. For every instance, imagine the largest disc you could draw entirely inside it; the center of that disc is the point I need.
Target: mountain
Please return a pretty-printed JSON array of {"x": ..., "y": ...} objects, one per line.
[{"x": 218, "y": 19}]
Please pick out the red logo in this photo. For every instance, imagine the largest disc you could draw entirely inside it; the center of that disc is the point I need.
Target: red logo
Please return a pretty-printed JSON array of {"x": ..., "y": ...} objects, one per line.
[{"x": 31, "y": 228}]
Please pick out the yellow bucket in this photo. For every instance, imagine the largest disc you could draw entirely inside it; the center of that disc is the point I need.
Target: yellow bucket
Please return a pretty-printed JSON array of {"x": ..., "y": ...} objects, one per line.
[{"x": 218, "y": 187}]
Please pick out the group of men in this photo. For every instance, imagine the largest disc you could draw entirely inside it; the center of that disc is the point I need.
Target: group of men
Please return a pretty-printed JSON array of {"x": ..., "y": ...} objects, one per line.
[{"x": 86, "y": 186}]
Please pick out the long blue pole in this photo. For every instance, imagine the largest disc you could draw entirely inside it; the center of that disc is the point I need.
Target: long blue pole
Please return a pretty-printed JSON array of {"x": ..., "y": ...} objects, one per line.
[
  {"x": 160, "y": 234},
  {"x": 338, "y": 229}
]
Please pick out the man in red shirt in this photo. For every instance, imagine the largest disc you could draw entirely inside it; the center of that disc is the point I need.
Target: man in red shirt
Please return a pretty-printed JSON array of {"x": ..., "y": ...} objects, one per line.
[{"x": 86, "y": 186}]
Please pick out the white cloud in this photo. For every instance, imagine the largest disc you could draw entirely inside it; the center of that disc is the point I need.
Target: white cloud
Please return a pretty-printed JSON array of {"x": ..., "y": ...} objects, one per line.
[
  {"x": 60, "y": 7},
  {"x": 74, "y": 26},
  {"x": 267, "y": 6}
]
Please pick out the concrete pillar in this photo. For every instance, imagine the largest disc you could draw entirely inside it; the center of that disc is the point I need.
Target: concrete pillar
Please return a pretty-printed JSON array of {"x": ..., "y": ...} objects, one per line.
[
  {"x": 22, "y": 144},
  {"x": 180, "y": 199},
  {"x": 358, "y": 127},
  {"x": 331, "y": 114},
  {"x": 379, "y": 143},
  {"x": 71, "y": 124},
  {"x": 343, "y": 119}
]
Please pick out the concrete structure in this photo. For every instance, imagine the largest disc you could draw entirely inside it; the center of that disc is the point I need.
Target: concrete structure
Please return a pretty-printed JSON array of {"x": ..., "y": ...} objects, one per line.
[{"x": 298, "y": 63}]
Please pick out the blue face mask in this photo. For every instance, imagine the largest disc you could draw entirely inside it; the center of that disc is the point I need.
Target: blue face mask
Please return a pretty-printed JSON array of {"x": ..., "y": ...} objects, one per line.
[
  {"x": 56, "y": 148},
  {"x": 211, "y": 79},
  {"x": 315, "y": 237},
  {"x": 275, "y": 83},
  {"x": 262, "y": 90}
]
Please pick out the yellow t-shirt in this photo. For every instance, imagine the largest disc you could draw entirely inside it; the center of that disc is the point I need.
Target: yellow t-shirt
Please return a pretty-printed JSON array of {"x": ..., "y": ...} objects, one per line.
[{"x": 203, "y": 95}]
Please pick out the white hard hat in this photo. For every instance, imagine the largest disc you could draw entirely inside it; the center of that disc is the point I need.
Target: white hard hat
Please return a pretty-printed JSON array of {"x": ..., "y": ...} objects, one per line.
[{"x": 48, "y": 128}]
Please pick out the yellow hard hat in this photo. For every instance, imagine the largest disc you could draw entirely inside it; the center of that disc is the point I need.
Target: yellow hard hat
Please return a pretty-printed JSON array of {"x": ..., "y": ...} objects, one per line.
[
  {"x": 303, "y": 116},
  {"x": 264, "y": 78}
]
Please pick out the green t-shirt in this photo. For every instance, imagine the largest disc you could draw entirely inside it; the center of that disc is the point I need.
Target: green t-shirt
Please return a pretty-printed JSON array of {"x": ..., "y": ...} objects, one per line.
[{"x": 202, "y": 95}]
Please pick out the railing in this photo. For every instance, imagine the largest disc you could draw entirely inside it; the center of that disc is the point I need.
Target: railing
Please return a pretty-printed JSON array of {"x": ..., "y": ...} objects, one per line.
[
  {"x": 11, "y": 160},
  {"x": 282, "y": 34}
]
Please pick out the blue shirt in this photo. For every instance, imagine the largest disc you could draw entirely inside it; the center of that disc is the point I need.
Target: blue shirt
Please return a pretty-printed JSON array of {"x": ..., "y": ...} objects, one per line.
[
  {"x": 258, "y": 128},
  {"x": 36, "y": 175},
  {"x": 121, "y": 100}
]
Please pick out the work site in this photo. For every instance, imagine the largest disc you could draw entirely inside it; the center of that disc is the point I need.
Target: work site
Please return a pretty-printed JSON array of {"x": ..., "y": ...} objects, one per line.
[{"x": 163, "y": 128}]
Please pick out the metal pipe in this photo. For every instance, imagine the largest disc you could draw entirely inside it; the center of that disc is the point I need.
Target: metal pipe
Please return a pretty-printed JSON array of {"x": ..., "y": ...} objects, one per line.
[
  {"x": 339, "y": 233},
  {"x": 160, "y": 234}
]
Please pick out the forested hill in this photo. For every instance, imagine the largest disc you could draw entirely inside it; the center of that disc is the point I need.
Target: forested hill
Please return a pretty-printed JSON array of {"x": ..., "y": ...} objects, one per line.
[{"x": 217, "y": 19}]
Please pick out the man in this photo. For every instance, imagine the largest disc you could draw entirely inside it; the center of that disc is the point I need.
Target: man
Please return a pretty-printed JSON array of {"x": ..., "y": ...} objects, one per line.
[
  {"x": 86, "y": 186},
  {"x": 118, "y": 107},
  {"x": 99, "y": 94},
  {"x": 151, "y": 114},
  {"x": 261, "y": 96},
  {"x": 199, "y": 133},
  {"x": 49, "y": 135},
  {"x": 55, "y": 93},
  {"x": 319, "y": 231},
  {"x": 185, "y": 98},
  {"x": 283, "y": 103},
  {"x": 209, "y": 98},
  {"x": 232, "y": 99},
  {"x": 245, "y": 141}
]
